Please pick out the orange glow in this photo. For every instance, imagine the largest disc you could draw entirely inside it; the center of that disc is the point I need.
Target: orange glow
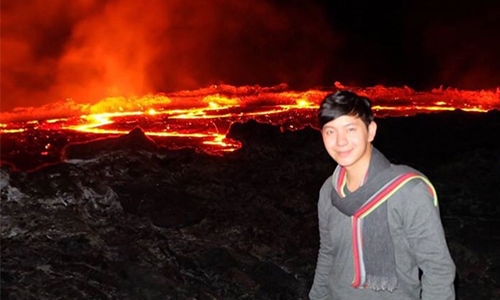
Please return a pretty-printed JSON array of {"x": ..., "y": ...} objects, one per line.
[
  {"x": 205, "y": 115},
  {"x": 12, "y": 130}
]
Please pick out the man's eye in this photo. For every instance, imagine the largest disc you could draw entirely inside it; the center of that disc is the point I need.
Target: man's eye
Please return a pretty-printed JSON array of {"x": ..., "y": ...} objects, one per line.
[
  {"x": 329, "y": 132},
  {"x": 351, "y": 129}
]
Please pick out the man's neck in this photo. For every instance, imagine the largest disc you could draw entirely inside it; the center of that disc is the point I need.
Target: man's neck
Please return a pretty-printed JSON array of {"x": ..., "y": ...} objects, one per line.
[{"x": 356, "y": 174}]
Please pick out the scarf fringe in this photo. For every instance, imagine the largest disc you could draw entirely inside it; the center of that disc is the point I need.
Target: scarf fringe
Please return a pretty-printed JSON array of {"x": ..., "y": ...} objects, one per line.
[{"x": 378, "y": 283}]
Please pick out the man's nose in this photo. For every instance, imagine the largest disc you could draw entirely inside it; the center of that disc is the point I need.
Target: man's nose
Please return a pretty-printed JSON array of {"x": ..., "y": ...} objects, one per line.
[{"x": 341, "y": 139}]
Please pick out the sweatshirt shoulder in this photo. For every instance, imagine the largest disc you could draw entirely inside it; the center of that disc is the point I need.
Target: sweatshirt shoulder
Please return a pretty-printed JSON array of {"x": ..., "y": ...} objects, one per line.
[
  {"x": 326, "y": 190},
  {"x": 422, "y": 180},
  {"x": 418, "y": 186},
  {"x": 327, "y": 185}
]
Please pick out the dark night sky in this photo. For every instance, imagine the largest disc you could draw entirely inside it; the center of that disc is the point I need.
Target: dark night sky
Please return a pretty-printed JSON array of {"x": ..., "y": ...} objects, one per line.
[
  {"x": 420, "y": 43},
  {"x": 90, "y": 49}
]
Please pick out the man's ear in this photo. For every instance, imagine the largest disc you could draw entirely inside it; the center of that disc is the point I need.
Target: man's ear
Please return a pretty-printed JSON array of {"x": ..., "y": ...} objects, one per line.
[{"x": 372, "y": 131}]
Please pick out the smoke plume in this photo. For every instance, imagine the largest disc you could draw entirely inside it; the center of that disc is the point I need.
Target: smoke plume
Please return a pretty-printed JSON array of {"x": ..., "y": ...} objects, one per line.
[{"x": 86, "y": 50}]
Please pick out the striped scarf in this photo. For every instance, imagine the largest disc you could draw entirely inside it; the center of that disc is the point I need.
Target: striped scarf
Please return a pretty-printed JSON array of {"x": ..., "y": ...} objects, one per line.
[{"x": 373, "y": 250}]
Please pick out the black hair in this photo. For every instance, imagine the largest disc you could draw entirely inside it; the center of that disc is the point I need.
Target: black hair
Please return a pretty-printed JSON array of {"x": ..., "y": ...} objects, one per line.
[{"x": 343, "y": 103}]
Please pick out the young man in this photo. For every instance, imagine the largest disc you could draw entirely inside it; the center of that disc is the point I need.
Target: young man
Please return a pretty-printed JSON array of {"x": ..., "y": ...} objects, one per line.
[{"x": 381, "y": 235}]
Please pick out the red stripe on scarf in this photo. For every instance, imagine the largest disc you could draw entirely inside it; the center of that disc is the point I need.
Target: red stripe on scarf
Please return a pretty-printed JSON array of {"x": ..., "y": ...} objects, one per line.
[
  {"x": 382, "y": 194},
  {"x": 356, "y": 255},
  {"x": 340, "y": 181}
]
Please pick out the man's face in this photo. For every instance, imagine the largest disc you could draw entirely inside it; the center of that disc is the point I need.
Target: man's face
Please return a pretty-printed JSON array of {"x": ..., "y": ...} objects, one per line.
[{"x": 347, "y": 140}]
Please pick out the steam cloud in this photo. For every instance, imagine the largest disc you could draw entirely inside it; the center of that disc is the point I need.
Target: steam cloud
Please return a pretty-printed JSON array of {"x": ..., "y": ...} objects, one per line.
[{"x": 87, "y": 50}]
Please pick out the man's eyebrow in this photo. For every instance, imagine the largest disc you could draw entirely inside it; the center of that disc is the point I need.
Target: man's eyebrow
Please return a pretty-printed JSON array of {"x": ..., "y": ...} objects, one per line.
[{"x": 343, "y": 125}]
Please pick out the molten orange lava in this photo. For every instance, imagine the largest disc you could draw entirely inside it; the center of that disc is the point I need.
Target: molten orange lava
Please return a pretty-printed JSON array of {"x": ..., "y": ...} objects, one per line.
[{"x": 206, "y": 114}]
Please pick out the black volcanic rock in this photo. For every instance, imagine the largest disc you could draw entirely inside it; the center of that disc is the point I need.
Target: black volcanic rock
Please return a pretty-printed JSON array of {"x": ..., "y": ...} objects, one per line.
[
  {"x": 125, "y": 219},
  {"x": 256, "y": 136},
  {"x": 165, "y": 207},
  {"x": 134, "y": 140}
]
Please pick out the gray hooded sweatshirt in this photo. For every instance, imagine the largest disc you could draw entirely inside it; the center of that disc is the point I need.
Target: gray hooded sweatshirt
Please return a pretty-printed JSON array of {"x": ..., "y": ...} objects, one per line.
[{"x": 419, "y": 245}]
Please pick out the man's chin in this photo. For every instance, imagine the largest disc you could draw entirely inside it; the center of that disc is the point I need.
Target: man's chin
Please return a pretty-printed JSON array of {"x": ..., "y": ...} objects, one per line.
[{"x": 344, "y": 162}]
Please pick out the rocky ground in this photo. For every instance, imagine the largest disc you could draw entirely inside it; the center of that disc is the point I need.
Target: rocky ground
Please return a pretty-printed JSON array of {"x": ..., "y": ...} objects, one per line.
[{"x": 125, "y": 219}]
